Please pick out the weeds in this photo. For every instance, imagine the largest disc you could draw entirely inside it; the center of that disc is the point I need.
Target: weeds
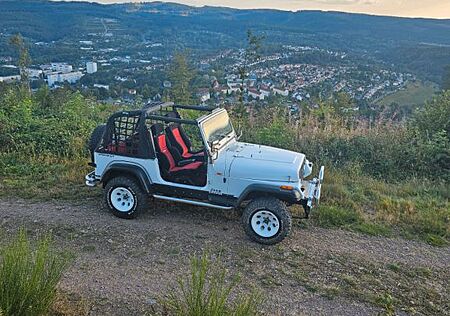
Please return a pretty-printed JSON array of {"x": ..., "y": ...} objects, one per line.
[
  {"x": 28, "y": 277},
  {"x": 387, "y": 302},
  {"x": 207, "y": 292}
]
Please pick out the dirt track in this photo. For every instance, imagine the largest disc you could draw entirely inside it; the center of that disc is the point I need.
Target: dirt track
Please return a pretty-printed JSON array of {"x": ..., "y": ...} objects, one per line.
[{"x": 122, "y": 266}]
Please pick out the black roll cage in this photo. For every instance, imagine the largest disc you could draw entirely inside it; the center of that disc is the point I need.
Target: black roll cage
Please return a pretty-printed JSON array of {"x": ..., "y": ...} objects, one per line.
[{"x": 155, "y": 111}]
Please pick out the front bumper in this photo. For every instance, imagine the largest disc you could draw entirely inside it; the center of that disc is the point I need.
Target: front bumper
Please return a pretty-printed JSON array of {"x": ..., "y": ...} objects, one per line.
[
  {"x": 91, "y": 179},
  {"x": 313, "y": 189}
]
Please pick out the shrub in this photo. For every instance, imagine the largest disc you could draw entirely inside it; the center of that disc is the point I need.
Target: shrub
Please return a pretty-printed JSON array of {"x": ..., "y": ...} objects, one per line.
[
  {"x": 207, "y": 292},
  {"x": 60, "y": 126},
  {"x": 384, "y": 148},
  {"x": 28, "y": 277}
]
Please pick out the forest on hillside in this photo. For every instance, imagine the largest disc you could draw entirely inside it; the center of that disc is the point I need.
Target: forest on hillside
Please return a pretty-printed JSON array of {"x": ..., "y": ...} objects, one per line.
[{"x": 421, "y": 46}]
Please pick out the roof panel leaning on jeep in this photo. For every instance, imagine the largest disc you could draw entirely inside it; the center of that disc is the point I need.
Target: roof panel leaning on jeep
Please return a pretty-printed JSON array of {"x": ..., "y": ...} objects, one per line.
[{"x": 154, "y": 152}]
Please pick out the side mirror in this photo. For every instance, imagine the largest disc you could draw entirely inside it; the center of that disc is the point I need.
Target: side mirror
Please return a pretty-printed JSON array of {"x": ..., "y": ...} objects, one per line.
[
  {"x": 213, "y": 145},
  {"x": 213, "y": 149}
]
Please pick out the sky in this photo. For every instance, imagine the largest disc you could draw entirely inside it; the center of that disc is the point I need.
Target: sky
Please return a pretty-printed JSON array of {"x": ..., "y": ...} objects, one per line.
[{"x": 405, "y": 8}]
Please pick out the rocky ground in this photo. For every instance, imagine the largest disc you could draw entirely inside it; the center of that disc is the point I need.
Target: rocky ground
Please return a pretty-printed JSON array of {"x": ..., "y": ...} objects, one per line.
[{"x": 125, "y": 267}]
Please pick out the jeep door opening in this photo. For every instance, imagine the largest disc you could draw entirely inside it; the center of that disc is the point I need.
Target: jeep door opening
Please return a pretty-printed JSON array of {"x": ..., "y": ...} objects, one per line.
[{"x": 154, "y": 152}]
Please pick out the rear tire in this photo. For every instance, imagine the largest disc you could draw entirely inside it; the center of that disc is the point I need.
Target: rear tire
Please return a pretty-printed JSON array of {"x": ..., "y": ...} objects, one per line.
[
  {"x": 125, "y": 197},
  {"x": 267, "y": 220}
]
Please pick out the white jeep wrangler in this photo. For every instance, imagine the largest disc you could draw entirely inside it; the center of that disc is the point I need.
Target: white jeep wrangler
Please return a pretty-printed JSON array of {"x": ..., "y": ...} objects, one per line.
[{"x": 149, "y": 153}]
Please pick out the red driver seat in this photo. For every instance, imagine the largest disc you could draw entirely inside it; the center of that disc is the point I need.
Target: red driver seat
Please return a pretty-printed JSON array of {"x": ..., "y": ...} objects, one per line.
[
  {"x": 171, "y": 161},
  {"x": 182, "y": 143}
]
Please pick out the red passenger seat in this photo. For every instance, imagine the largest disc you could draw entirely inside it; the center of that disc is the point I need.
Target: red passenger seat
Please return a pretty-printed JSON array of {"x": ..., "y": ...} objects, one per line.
[{"x": 170, "y": 159}]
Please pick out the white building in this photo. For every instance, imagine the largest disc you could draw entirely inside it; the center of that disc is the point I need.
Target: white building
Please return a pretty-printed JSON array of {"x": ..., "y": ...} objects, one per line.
[
  {"x": 281, "y": 91},
  {"x": 91, "y": 67},
  {"x": 101, "y": 86},
  {"x": 34, "y": 73},
  {"x": 265, "y": 92},
  {"x": 10, "y": 78},
  {"x": 233, "y": 87},
  {"x": 255, "y": 94},
  {"x": 70, "y": 77},
  {"x": 61, "y": 67},
  {"x": 204, "y": 95}
]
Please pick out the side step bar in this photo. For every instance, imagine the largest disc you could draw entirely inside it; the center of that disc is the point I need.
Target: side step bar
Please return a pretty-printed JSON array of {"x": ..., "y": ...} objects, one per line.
[{"x": 197, "y": 203}]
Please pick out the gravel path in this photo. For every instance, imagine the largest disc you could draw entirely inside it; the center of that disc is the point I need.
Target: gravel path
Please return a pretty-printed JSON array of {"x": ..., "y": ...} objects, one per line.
[{"x": 122, "y": 266}]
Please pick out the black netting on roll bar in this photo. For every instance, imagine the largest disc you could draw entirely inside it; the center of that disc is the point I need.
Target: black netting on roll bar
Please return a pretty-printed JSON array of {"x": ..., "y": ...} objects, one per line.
[{"x": 127, "y": 135}]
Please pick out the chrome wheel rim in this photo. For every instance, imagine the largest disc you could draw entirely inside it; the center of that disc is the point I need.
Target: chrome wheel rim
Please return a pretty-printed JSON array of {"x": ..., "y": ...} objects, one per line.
[
  {"x": 122, "y": 199},
  {"x": 265, "y": 224}
]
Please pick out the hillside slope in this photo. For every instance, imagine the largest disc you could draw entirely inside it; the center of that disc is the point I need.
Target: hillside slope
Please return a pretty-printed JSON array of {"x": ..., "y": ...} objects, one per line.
[{"x": 210, "y": 28}]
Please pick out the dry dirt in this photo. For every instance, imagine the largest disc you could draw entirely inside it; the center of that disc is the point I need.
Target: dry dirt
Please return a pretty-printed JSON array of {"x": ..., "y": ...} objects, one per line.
[{"x": 122, "y": 267}]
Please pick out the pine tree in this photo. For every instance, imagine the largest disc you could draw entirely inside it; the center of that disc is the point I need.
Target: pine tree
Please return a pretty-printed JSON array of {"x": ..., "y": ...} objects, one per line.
[{"x": 181, "y": 75}]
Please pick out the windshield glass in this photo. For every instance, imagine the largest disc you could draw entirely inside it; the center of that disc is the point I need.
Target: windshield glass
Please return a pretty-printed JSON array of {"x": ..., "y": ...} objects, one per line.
[{"x": 217, "y": 127}]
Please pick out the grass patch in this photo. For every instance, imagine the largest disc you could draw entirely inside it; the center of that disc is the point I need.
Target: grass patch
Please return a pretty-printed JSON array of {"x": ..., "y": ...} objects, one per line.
[
  {"x": 28, "y": 276},
  {"x": 373, "y": 229},
  {"x": 335, "y": 216},
  {"x": 207, "y": 291},
  {"x": 417, "y": 209},
  {"x": 415, "y": 93},
  {"x": 44, "y": 178}
]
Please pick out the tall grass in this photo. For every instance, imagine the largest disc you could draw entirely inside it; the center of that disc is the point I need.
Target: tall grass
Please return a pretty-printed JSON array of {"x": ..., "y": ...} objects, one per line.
[
  {"x": 28, "y": 276},
  {"x": 206, "y": 292},
  {"x": 415, "y": 208}
]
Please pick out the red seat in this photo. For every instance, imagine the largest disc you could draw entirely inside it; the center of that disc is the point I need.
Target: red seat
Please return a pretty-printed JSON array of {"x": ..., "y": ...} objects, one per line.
[
  {"x": 171, "y": 160},
  {"x": 181, "y": 141}
]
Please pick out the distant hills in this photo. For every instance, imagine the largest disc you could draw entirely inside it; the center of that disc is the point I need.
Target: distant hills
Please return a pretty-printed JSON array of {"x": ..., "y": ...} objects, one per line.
[{"x": 419, "y": 45}]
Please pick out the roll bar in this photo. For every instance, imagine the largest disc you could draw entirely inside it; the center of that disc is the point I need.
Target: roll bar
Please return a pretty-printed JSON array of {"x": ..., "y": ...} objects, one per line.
[
  {"x": 194, "y": 107},
  {"x": 155, "y": 106},
  {"x": 171, "y": 119}
]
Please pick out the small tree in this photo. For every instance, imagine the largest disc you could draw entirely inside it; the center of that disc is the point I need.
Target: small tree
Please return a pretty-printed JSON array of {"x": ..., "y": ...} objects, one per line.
[
  {"x": 24, "y": 58},
  {"x": 252, "y": 54},
  {"x": 181, "y": 75}
]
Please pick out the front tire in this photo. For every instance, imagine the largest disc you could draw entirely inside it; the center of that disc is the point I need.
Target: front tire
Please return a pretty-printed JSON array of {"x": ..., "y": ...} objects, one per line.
[
  {"x": 267, "y": 220},
  {"x": 125, "y": 197}
]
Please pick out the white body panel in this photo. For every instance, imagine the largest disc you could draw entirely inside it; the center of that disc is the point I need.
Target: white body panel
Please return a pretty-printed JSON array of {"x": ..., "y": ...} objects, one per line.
[{"x": 232, "y": 168}]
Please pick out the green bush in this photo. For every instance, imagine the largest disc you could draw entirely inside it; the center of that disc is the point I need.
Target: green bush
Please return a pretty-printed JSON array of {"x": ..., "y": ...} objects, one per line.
[
  {"x": 383, "y": 148},
  {"x": 44, "y": 123},
  {"x": 207, "y": 293},
  {"x": 28, "y": 277}
]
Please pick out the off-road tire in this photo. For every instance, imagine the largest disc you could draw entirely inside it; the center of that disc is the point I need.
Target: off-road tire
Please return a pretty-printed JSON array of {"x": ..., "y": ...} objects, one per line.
[
  {"x": 274, "y": 206},
  {"x": 140, "y": 197},
  {"x": 95, "y": 139}
]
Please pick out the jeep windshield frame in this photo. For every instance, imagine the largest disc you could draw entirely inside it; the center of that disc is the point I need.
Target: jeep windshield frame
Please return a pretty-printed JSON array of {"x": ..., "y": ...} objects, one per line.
[{"x": 217, "y": 129}]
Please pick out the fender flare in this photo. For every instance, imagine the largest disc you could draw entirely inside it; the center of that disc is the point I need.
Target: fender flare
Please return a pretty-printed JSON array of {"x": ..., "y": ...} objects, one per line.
[
  {"x": 258, "y": 189},
  {"x": 123, "y": 168}
]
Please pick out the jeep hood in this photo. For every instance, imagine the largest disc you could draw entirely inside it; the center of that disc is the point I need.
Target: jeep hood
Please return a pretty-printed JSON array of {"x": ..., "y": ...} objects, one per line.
[{"x": 258, "y": 162}]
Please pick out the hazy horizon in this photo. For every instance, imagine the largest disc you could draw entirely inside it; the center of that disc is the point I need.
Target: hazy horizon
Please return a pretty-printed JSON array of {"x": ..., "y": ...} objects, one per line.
[{"x": 439, "y": 9}]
